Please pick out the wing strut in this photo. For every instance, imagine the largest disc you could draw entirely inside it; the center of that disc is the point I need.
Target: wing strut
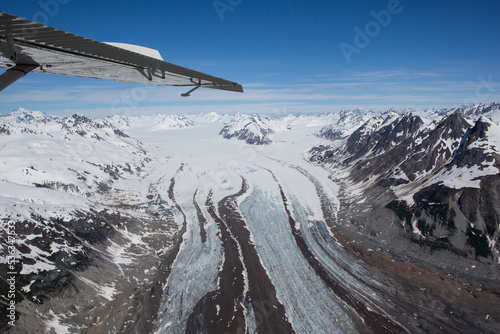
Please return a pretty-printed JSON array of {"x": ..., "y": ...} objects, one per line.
[
  {"x": 192, "y": 90},
  {"x": 13, "y": 74}
]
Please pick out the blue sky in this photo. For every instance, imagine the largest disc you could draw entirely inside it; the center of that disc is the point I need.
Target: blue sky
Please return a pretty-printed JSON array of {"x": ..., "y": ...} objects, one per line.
[{"x": 290, "y": 56}]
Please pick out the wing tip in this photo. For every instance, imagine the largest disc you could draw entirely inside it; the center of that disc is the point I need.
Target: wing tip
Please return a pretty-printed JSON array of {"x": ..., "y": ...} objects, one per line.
[{"x": 233, "y": 87}]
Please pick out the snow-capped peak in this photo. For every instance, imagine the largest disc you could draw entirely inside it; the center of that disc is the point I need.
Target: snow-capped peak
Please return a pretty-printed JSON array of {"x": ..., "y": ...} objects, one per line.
[
  {"x": 21, "y": 115},
  {"x": 153, "y": 122},
  {"x": 253, "y": 129}
]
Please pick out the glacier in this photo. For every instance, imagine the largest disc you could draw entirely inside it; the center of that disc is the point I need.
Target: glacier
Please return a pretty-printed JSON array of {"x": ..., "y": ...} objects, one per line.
[{"x": 189, "y": 224}]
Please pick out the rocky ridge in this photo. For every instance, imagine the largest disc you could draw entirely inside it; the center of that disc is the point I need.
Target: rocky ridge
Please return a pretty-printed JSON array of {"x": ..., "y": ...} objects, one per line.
[
  {"x": 443, "y": 176},
  {"x": 253, "y": 130}
]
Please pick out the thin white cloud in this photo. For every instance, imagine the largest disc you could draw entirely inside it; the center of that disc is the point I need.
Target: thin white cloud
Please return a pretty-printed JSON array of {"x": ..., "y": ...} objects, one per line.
[
  {"x": 403, "y": 74},
  {"x": 373, "y": 90}
]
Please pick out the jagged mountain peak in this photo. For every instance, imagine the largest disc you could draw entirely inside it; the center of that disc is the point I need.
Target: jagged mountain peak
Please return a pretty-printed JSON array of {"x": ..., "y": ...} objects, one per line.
[
  {"x": 253, "y": 129},
  {"x": 453, "y": 126},
  {"x": 348, "y": 122},
  {"x": 165, "y": 122},
  {"x": 359, "y": 111},
  {"x": 43, "y": 125},
  {"x": 476, "y": 110},
  {"x": 82, "y": 124},
  {"x": 479, "y": 146},
  {"x": 399, "y": 141},
  {"x": 78, "y": 119},
  {"x": 22, "y": 115},
  {"x": 211, "y": 117},
  {"x": 486, "y": 120},
  {"x": 154, "y": 122}
]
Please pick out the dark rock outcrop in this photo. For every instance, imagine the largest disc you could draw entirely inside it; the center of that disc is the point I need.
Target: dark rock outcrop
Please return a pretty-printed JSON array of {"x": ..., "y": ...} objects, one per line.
[
  {"x": 253, "y": 130},
  {"x": 386, "y": 153}
]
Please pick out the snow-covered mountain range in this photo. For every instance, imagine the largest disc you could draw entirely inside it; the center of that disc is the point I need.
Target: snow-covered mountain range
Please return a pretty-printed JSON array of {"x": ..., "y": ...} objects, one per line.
[
  {"x": 152, "y": 122},
  {"x": 444, "y": 175},
  {"x": 357, "y": 221}
]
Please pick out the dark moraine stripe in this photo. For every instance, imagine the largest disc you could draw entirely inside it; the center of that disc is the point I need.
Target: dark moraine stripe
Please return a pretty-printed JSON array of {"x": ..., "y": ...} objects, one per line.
[
  {"x": 375, "y": 322},
  {"x": 269, "y": 313},
  {"x": 149, "y": 306},
  {"x": 229, "y": 318},
  {"x": 202, "y": 222}
]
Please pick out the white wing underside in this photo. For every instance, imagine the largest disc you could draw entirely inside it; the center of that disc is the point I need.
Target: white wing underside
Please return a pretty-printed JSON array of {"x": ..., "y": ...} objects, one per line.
[{"x": 24, "y": 42}]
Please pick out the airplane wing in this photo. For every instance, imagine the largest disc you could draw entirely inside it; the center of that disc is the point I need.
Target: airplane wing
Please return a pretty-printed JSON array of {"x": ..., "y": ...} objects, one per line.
[{"x": 27, "y": 46}]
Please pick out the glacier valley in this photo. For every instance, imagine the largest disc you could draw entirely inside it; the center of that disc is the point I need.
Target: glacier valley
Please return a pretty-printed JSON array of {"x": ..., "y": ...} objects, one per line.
[{"x": 349, "y": 222}]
